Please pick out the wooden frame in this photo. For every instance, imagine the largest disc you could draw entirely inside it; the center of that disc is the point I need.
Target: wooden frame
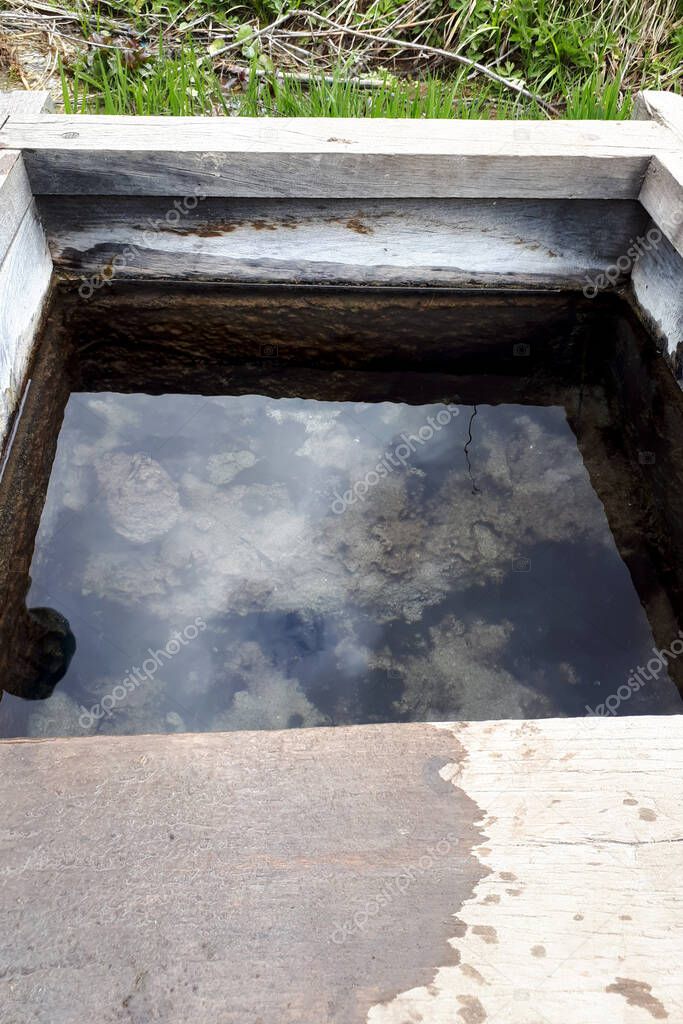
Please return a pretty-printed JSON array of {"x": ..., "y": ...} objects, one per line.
[
  {"x": 25, "y": 263},
  {"x": 523, "y": 872},
  {"x": 562, "y": 205},
  {"x": 553, "y": 848},
  {"x": 657, "y": 278},
  {"x": 481, "y": 873}
]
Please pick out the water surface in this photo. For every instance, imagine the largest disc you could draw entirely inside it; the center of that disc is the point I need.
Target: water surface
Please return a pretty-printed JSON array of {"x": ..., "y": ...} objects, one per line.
[{"x": 258, "y": 563}]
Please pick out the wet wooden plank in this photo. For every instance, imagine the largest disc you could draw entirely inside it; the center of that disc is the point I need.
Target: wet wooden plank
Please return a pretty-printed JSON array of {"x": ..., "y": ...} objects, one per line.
[
  {"x": 195, "y": 879},
  {"x": 519, "y": 871},
  {"x": 335, "y": 158},
  {"x": 553, "y": 243}
]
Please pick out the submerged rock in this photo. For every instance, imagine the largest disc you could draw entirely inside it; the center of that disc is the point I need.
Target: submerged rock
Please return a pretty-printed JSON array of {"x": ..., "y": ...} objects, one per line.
[{"x": 142, "y": 500}]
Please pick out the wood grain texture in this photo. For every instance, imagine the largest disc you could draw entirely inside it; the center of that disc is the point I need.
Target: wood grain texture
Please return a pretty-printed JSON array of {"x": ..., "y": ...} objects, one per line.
[
  {"x": 23, "y": 102},
  {"x": 236, "y": 878},
  {"x": 25, "y": 274},
  {"x": 581, "y": 916},
  {"x": 327, "y": 876},
  {"x": 15, "y": 197},
  {"x": 553, "y": 243},
  {"x": 25, "y": 264},
  {"x": 662, "y": 196},
  {"x": 657, "y": 286},
  {"x": 334, "y": 158},
  {"x": 662, "y": 192},
  {"x": 666, "y": 108}
]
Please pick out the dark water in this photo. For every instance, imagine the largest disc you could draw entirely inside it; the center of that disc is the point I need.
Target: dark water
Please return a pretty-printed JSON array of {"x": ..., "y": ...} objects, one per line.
[{"x": 251, "y": 563}]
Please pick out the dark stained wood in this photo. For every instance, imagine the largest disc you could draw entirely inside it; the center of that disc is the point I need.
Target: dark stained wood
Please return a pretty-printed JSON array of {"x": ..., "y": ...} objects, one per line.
[
  {"x": 552, "y": 243},
  {"x": 27, "y": 651},
  {"x": 295, "y": 877}
]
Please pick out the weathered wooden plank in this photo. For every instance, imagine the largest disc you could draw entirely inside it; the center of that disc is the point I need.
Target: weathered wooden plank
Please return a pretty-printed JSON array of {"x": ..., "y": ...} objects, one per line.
[
  {"x": 15, "y": 197},
  {"x": 419, "y": 873},
  {"x": 25, "y": 264},
  {"x": 662, "y": 192},
  {"x": 23, "y": 103},
  {"x": 335, "y": 158},
  {"x": 25, "y": 274},
  {"x": 657, "y": 286},
  {"x": 581, "y": 915},
  {"x": 554, "y": 243},
  {"x": 662, "y": 197},
  {"x": 664, "y": 107}
]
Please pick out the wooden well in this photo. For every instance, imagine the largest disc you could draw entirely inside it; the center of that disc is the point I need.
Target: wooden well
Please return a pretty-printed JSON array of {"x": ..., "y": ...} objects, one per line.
[{"x": 526, "y": 872}]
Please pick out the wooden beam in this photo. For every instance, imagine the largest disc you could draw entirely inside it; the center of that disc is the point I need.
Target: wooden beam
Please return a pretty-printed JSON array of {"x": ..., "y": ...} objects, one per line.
[
  {"x": 524, "y": 872},
  {"x": 657, "y": 287},
  {"x": 657, "y": 277},
  {"x": 662, "y": 196},
  {"x": 662, "y": 192},
  {"x": 335, "y": 158},
  {"x": 666, "y": 108},
  {"x": 15, "y": 197},
  {"x": 23, "y": 102},
  {"x": 25, "y": 272},
  {"x": 503, "y": 243}
]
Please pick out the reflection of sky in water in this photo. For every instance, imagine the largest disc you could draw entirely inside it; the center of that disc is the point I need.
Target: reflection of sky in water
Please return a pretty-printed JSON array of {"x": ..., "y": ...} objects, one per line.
[{"x": 443, "y": 591}]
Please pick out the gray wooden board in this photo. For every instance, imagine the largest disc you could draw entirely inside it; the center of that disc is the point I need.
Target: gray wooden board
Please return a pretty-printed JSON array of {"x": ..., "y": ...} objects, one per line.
[
  {"x": 662, "y": 197},
  {"x": 657, "y": 285},
  {"x": 25, "y": 274},
  {"x": 662, "y": 192},
  {"x": 15, "y": 197},
  {"x": 664, "y": 107},
  {"x": 25, "y": 265},
  {"x": 335, "y": 158},
  {"x": 526, "y": 872},
  {"x": 23, "y": 102},
  {"x": 211, "y": 878},
  {"x": 556, "y": 243}
]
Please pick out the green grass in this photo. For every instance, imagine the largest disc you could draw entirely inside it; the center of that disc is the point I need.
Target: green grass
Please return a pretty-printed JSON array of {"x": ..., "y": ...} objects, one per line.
[
  {"x": 178, "y": 85},
  {"x": 183, "y": 84},
  {"x": 587, "y": 57}
]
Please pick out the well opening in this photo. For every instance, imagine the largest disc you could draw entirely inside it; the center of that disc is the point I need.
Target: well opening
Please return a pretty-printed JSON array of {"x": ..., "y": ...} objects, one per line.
[{"x": 277, "y": 507}]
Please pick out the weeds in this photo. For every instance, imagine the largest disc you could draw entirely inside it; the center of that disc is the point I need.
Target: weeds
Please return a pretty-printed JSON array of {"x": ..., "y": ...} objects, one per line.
[{"x": 586, "y": 58}]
